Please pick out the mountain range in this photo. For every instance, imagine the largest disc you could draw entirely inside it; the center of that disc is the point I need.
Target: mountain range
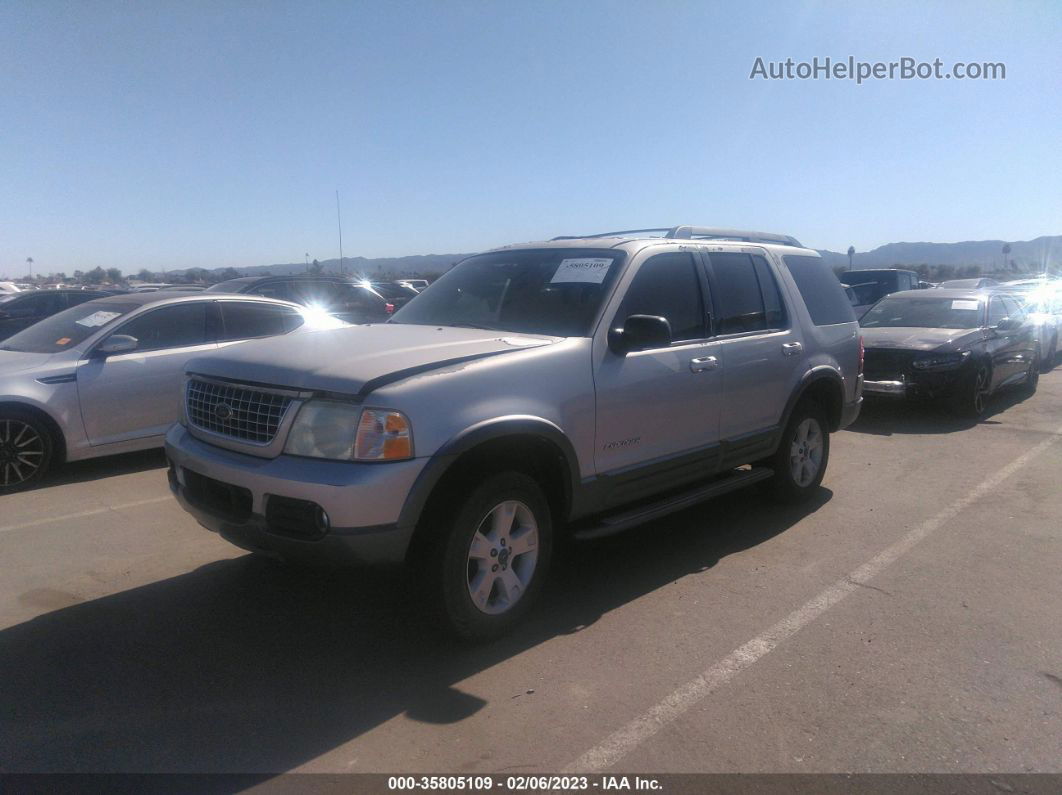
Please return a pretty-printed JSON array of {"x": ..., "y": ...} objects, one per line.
[{"x": 1028, "y": 255}]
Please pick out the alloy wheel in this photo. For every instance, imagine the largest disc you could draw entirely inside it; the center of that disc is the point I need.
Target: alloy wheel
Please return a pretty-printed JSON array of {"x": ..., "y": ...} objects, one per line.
[
  {"x": 805, "y": 452},
  {"x": 22, "y": 451},
  {"x": 980, "y": 391},
  {"x": 502, "y": 557}
]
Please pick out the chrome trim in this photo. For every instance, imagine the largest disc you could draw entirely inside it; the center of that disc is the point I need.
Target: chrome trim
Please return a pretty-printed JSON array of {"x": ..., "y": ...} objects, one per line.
[{"x": 885, "y": 387}]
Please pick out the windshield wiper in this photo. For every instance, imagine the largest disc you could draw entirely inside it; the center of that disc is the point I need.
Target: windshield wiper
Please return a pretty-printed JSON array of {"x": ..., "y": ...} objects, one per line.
[{"x": 471, "y": 325}]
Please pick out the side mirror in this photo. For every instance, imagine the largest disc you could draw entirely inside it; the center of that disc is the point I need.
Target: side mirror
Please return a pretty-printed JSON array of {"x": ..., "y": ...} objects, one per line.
[
  {"x": 1007, "y": 324},
  {"x": 117, "y": 343},
  {"x": 640, "y": 332}
]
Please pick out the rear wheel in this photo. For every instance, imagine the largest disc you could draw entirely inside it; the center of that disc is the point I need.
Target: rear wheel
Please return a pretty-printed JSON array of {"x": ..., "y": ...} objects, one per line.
[
  {"x": 489, "y": 562},
  {"x": 26, "y": 449},
  {"x": 971, "y": 394},
  {"x": 1047, "y": 361},
  {"x": 800, "y": 462}
]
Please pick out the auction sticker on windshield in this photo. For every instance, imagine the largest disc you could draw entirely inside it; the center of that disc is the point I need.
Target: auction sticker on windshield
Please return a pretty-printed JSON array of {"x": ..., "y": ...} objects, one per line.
[
  {"x": 961, "y": 304},
  {"x": 590, "y": 270},
  {"x": 98, "y": 319}
]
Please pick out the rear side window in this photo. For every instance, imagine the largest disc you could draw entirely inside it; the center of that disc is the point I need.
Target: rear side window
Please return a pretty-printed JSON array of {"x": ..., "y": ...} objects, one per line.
[
  {"x": 773, "y": 305},
  {"x": 739, "y": 302},
  {"x": 667, "y": 286},
  {"x": 822, "y": 293},
  {"x": 245, "y": 320},
  {"x": 281, "y": 290}
]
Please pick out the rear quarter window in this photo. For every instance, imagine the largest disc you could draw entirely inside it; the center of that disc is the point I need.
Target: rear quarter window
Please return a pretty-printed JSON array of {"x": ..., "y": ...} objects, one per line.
[{"x": 822, "y": 293}]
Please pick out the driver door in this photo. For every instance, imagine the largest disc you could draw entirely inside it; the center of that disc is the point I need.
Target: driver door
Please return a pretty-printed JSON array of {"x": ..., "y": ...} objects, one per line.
[{"x": 137, "y": 395}]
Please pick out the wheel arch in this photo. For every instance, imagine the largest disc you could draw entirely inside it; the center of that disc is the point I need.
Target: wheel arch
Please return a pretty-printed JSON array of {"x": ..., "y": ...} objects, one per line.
[
  {"x": 523, "y": 443},
  {"x": 54, "y": 429},
  {"x": 824, "y": 385}
]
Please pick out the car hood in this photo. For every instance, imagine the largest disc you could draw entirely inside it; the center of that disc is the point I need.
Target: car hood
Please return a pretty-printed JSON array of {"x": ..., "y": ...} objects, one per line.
[
  {"x": 12, "y": 362},
  {"x": 918, "y": 339},
  {"x": 357, "y": 359}
]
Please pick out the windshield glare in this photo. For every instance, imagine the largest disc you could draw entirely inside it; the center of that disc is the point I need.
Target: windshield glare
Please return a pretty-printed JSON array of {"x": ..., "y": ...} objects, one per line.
[
  {"x": 64, "y": 330},
  {"x": 957, "y": 313},
  {"x": 556, "y": 292}
]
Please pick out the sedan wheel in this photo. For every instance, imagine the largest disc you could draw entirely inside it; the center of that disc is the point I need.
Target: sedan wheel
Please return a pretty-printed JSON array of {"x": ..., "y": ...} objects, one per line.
[
  {"x": 971, "y": 397},
  {"x": 25, "y": 451}
]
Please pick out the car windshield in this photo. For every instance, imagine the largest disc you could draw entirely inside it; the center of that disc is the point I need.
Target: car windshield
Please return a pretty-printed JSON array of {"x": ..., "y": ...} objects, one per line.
[
  {"x": 958, "y": 313},
  {"x": 536, "y": 291},
  {"x": 68, "y": 328}
]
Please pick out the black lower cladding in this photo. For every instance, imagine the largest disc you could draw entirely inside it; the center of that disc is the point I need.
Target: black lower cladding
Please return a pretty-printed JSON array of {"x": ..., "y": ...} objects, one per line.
[
  {"x": 231, "y": 503},
  {"x": 296, "y": 518}
]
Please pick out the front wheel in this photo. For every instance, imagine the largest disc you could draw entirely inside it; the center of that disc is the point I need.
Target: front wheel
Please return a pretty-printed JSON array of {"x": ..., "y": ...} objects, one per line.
[
  {"x": 800, "y": 461},
  {"x": 971, "y": 393},
  {"x": 25, "y": 450},
  {"x": 489, "y": 564},
  {"x": 1032, "y": 375}
]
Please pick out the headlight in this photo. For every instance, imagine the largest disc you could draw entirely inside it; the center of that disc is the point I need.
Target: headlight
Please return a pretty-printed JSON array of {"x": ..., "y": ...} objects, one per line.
[
  {"x": 383, "y": 436},
  {"x": 344, "y": 431},
  {"x": 941, "y": 361},
  {"x": 324, "y": 429}
]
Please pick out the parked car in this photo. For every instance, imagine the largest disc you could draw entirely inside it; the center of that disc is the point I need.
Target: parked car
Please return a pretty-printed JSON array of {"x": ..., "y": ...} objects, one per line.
[
  {"x": 396, "y": 293},
  {"x": 1042, "y": 303},
  {"x": 21, "y": 310},
  {"x": 347, "y": 299},
  {"x": 8, "y": 288},
  {"x": 873, "y": 285},
  {"x": 960, "y": 346},
  {"x": 417, "y": 284},
  {"x": 969, "y": 284},
  {"x": 578, "y": 386},
  {"x": 104, "y": 377},
  {"x": 182, "y": 288}
]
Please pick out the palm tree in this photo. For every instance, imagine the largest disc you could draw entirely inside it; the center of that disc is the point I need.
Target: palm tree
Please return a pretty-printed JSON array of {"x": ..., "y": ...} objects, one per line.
[
  {"x": 1006, "y": 251},
  {"x": 29, "y": 262},
  {"x": 851, "y": 253}
]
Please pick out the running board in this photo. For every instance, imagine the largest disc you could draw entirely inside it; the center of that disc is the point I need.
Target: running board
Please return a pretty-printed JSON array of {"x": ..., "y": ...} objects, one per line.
[{"x": 618, "y": 522}]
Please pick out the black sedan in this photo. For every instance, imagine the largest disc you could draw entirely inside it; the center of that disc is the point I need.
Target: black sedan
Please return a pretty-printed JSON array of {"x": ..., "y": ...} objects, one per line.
[
  {"x": 350, "y": 300},
  {"x": 21, "y": 310},
  {"x": 955, "y": 345}
]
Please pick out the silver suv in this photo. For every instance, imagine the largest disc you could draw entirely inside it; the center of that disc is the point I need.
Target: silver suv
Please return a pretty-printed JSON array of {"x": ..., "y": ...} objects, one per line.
[{"x": 578, "y": 386}]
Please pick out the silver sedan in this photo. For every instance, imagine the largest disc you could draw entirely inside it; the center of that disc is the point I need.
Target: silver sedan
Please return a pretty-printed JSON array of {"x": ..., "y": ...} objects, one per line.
[{"x": 104, "y": 377}]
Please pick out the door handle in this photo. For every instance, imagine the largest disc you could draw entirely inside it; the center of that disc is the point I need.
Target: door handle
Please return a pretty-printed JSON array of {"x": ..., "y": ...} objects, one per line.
[
  {"x": 791, "y": 348},
  {"x": 703, "y": 363}
]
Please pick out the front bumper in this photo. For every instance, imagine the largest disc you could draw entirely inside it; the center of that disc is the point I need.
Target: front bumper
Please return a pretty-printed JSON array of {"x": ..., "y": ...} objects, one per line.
[
  {"x": 924, "y": 384},
  {"x": 241, "y": 496}
]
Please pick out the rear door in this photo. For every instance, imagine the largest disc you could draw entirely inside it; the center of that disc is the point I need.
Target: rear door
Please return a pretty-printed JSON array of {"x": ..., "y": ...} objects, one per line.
[
  {"x": 762, "y": 349},
  {"x": 657, "y": 419},
  {"x": 138, "y": 394}
]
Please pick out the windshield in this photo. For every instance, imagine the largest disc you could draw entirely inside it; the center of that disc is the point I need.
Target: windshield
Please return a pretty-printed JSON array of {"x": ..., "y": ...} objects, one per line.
[
  {"x": 540, "y": 291},
  {"x": 959, "y": 313},
  {"x": 68, "y": 328}
]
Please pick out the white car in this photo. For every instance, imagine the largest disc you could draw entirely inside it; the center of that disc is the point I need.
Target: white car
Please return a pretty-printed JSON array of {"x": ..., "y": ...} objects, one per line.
[{"x": 104, "y": 377}]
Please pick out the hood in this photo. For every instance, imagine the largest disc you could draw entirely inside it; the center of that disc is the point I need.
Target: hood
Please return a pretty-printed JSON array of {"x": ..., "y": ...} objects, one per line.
[
  {"x": 12, "y": 362},
  {"x": 917, "y": 339},
  {"x": 357, "y": 359}
]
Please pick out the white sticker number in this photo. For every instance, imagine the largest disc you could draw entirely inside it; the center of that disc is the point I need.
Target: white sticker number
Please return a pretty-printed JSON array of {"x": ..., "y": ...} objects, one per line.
[
  {"x": 588, "y": 270},
  {"x": 98, "y": 319},
  {"x": 964, "y": 305}
]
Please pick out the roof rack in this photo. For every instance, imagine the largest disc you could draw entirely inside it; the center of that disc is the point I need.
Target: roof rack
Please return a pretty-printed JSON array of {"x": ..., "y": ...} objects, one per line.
[{"x": 696, "y": 233}]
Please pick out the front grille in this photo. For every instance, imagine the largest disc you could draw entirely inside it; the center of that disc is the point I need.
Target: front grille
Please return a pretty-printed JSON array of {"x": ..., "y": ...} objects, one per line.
[
  {"x": 238, "y": 412},
  {"x": 232, "y": 503},
  {"x": 884, "y": 364}
]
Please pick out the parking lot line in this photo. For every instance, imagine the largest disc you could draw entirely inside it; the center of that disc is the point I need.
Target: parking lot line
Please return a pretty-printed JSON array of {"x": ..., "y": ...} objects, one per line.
[
  {"x": 94, "y": 511},
  {"x": 621, "y": 742}
]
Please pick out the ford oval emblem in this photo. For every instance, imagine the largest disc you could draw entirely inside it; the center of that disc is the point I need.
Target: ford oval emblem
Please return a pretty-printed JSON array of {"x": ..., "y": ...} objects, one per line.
[{"x": 223, "y": 411}]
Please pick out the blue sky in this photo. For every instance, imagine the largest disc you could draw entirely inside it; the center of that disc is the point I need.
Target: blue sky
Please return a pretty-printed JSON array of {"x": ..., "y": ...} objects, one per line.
[{"x": 176, "y": 134}]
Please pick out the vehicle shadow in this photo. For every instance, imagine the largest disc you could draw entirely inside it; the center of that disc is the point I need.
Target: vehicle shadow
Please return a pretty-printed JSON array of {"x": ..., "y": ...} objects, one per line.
[
  {"x": 885, "y": 416},
  {"x": 244, "y": 665},
  {"x": 99, "y": 468}
]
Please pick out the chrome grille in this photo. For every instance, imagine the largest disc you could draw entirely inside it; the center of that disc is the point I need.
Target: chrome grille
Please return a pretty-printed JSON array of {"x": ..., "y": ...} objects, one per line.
[
  {"x": 237, "y": 412},
  {"x": 886, "y": 363}
]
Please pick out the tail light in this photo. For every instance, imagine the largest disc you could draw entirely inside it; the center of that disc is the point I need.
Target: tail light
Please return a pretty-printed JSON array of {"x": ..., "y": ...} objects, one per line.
[
  {"x": 862, "y": 354},
  {"x": 390, "y": 309}
]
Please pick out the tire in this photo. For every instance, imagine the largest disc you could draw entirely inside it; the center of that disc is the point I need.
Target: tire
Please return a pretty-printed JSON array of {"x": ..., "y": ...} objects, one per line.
[
  {"x": 804, "y": 451},
  {"x": 481, "y": 588},
  {"x": 1032, "y": 375},
  {"x": 972, "y": 392},
  {"x": 26, "y": 449}
]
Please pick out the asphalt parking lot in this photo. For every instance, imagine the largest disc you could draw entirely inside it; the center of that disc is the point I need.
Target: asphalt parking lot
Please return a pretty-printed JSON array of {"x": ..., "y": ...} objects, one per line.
[{"x": 906, "y": 620}]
